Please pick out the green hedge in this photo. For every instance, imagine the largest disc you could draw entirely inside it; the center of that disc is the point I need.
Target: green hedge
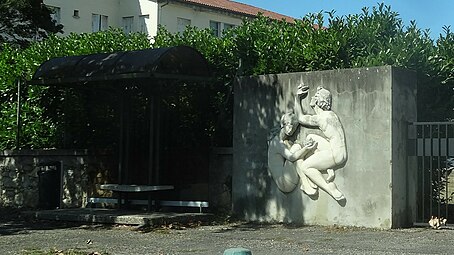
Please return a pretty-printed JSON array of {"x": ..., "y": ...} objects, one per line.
[
  {"x": 373, "y": 37},
  {"x": 43, "y": 118}
]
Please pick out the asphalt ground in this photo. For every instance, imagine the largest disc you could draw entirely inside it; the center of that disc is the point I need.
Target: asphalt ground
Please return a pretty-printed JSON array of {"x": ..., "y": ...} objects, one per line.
[{"x": 19, "y": 236}]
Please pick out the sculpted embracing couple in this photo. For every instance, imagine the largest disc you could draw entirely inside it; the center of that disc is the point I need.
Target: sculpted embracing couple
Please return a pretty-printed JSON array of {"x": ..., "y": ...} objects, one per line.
[{"x": 309, "y": 163}]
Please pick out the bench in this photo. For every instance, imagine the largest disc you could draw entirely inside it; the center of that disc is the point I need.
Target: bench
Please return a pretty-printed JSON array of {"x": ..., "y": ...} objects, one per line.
[
  {"x": 127, "y": 188},
  {"x": 135, "y": 188},
  {"x": 98, "y": 200}
]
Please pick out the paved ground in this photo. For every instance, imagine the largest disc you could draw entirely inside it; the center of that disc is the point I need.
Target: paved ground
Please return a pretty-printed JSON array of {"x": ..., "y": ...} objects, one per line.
[{"x": 17, "y": 234}]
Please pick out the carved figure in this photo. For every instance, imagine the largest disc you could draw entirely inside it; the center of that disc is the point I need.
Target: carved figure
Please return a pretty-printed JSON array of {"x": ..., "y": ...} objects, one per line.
[
  {"x": 283, "y": 151},
  {"x": 331, "y": 152}
]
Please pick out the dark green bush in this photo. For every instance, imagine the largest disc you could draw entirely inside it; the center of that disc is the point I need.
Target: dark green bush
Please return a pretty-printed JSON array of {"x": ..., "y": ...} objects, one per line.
[
  {"x": 48, "y": 112},
  {"x": 373, "y": 37}
]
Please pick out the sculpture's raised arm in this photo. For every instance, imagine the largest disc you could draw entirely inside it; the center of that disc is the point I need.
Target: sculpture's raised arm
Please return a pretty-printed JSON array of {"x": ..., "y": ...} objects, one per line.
[
  {"x": 301, "y": 93},
  {"x": 302, "y": 114}
]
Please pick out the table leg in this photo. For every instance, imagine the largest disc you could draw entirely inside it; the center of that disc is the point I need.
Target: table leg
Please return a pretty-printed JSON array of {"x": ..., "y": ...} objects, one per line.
[
  {"x": 150, "y": 203},
  {"x": 119, "y": 200}
]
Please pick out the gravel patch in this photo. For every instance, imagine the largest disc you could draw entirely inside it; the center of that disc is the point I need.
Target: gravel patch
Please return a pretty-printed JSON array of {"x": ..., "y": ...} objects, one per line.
[{"x": 17, "y": 235}]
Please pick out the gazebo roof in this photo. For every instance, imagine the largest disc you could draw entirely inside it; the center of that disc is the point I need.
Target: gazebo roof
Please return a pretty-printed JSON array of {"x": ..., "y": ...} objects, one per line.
[{"x": 179, "y": 62}]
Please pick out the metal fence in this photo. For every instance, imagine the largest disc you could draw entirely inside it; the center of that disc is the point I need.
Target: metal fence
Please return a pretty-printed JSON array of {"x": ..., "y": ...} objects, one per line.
[{"x": 432, "y": 143}]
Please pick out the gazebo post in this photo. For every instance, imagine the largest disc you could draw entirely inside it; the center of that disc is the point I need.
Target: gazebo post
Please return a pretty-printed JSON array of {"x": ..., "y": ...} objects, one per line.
[
  {"x": 151, "y": 144},
  {"x": 157, "y": 168},
  {"x": 127, "y": 135},
  {"x": 154, "y": 140},
  {"x": 152, "y": 105},
  {"x": 18, "y": 113},
  {"x": 121, "y": 139},
  {"x": 121, "y": 142},
  {"x": 124, "y": 142}
]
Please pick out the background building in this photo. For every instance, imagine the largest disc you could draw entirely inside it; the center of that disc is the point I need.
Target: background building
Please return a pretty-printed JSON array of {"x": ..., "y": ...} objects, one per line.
[{"x": 82, "y": 16}]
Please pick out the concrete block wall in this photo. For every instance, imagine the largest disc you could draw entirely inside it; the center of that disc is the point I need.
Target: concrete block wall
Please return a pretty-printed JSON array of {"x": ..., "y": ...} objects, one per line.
[{"x": 374, "y": 105}]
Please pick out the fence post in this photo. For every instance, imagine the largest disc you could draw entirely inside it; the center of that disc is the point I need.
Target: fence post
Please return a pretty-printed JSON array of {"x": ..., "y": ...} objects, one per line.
[{"x": 18, "y": 113}]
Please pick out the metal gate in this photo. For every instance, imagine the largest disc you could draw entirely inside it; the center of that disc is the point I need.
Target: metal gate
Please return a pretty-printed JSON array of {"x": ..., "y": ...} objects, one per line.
[{"x": 432, "y": 143}]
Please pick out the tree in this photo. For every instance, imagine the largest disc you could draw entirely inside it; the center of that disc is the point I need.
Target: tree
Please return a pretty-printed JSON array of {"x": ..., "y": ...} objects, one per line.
[{"x": 24, "y": 21}]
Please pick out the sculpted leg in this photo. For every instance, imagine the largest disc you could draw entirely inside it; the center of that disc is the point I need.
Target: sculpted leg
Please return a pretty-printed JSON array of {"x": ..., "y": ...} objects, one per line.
[
  {"x": 317, "y": 178},
  {"x": 330, "y": 176},
  {"x": 323, "y": 146},
  {"x": 311, "y": 168},
  {"x": 308, "y": 186},
  {"x": 334, "y": 192}
]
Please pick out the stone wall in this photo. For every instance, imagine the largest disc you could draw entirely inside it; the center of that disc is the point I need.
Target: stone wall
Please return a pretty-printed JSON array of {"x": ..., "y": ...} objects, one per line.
[
  {"x": 374, "y": 106},
  {"x": 80, "y": 174}
]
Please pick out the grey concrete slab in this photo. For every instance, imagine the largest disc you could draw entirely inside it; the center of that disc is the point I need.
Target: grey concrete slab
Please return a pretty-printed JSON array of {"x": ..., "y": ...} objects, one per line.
[{"x": 114, "y": 216}]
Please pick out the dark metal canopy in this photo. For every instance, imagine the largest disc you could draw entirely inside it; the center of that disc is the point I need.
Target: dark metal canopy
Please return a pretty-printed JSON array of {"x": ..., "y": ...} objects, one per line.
[{"x": 180, "y": 62}]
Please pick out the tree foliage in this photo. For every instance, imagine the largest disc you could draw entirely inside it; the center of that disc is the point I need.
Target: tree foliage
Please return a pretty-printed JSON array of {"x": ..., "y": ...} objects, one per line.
[
  {"x": 24, "y": 21},
  {"x": 373, "y": 37}
]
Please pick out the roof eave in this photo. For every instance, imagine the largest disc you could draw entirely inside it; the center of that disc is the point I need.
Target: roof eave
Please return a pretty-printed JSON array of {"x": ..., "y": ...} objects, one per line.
[{"x": 244, "y": 14}]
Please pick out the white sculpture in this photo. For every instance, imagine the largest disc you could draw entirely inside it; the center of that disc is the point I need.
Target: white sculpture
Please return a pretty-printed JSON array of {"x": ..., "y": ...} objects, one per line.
[
  {"x": 283, "y": 151},
  {"x": 331, "y": 151}
]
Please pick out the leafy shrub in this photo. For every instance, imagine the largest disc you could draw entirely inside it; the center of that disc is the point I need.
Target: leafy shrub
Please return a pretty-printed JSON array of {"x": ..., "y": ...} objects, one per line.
[
  {"x": 373, "y": 37},
  {"x": 44, "y": 115}
]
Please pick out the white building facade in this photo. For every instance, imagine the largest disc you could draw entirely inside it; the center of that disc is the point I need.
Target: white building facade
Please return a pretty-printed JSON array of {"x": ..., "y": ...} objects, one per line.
[{"x": 84, "y": 16}]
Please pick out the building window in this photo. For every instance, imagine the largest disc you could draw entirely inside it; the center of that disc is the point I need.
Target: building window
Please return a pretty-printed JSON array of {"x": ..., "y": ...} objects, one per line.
[
  {"x": 143, "y": 23},
  {"x": 128, "y": 24},
  {"x": 76, "y": 14},
  {"x": 215, "y": 28},
  {"x": 99, "y": 22},
  {"x": 182, "y": 24},
  {"x": 55, "y": 13},
  {"x": 228, "y": 26}
]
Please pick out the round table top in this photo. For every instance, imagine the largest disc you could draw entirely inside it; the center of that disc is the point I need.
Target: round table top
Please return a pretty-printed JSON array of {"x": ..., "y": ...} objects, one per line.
[{"x": 135, "y": 188}]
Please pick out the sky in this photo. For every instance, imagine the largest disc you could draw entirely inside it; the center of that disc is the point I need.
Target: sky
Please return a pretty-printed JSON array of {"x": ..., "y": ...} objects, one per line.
[{"x": 428, "y": 14}]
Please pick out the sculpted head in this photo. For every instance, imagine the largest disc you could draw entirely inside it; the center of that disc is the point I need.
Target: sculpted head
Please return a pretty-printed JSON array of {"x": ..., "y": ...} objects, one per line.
[
  {"x": 322, "y": 99},
  {"x": 289, "y": 123}
]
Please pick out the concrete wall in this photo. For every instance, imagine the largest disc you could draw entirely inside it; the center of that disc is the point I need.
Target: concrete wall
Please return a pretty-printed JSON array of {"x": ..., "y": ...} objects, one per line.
[
  {"x": 83, "y": 23},
  {"x": 137, "y": 8},
  {"x": 220, "y": 179},
  {"x": 373, "y": 104},
  {"x": 165, "y": 13},
  {"x": 403, "y": 111},
  {"x": 114, "y": 9},
  {"x": 200, "y": 17}
]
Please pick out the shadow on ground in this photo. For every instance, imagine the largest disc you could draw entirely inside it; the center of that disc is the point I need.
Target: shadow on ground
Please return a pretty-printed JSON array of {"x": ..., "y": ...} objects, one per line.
[{"x": 13, "y": 222}]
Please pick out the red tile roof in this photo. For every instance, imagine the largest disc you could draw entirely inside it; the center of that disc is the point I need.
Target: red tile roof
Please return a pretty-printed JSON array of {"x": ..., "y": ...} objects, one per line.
[{"x": 239, "y": 8}]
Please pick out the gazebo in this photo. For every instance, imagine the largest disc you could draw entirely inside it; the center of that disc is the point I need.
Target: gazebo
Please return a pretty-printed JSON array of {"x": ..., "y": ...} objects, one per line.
[{"x": 150, "y": 70}]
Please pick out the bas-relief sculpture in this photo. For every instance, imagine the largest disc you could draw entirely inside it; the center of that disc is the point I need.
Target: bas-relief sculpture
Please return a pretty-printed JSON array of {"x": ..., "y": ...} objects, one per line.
[
  {"x": 284, "y": 151},
  {"x": 292, "y": 163}
]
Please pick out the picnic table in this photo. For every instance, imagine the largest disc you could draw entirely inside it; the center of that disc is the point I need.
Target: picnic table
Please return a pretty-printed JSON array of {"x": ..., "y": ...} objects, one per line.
[{"x": 128, "y": 188}]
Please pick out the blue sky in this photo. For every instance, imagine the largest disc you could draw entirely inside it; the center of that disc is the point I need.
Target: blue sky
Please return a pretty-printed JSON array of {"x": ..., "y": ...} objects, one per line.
[{"x": 428, "y": 14}]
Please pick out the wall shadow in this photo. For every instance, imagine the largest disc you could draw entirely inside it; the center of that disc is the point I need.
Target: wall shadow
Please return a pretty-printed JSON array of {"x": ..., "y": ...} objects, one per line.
[{"x": 260, "y": 101}]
